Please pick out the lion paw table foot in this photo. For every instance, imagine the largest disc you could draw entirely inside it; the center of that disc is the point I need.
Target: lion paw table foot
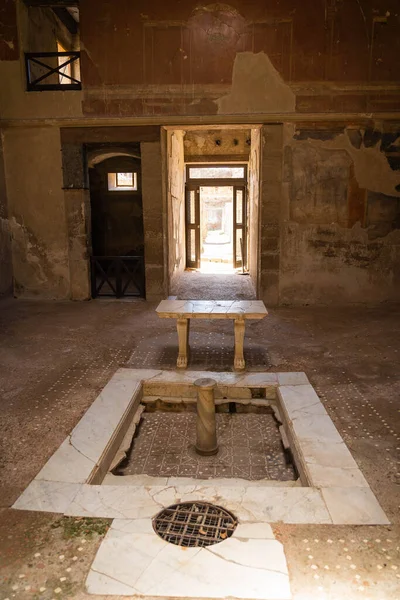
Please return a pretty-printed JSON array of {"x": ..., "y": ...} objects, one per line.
[
  {"x": 239, "y": 364},
  {"x": 181, "y": 363}
]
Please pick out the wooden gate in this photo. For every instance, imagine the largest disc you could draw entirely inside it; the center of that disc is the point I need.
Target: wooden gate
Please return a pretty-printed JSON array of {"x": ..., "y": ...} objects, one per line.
[{"x": 118, "y": 276}]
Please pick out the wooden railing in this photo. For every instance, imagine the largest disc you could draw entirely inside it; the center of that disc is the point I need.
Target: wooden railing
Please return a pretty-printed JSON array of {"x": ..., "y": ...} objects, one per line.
[
  {"x": 52, "y": 71},
  {"x": 118, "y": 276}
]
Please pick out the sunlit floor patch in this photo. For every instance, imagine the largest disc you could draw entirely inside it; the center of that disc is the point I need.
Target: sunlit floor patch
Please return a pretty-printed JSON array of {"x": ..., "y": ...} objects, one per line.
[{"x": 214, "y": 267}]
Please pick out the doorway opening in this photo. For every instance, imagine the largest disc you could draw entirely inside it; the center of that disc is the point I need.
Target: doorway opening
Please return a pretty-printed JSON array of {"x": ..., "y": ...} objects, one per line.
[
  {"x": 117, "y": 261},
  {"x": 213, "y": 212},
  {"x": 216, "y": 239},
  {"x": 215, "y": 217}
]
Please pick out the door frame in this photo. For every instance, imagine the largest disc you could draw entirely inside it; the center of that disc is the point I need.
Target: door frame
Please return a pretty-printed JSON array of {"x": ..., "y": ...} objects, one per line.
[
  {"x": 192, "y": 223},
  {"x": 194, "y": 185},
  {"x": 242, "y": 226}
]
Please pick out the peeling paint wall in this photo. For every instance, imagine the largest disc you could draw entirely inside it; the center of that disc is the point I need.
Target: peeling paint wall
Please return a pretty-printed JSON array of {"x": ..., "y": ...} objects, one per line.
[
  {"x": 254, "y": 205},
  {"x": 257, "y": 87},
  {"x": 329, "y": 179},
  {"x": 190, "y": 58},
  {"x": 77, "y": 211},
  {"x": 6, "y": 273},
  {"x": 153, "y": 209},
  {"x": 340, "y": 236},
  {"x": 36, "y": 211},
  {"x": 17, "y": 103},
  {"x": 176, "y": 202},
  {"x": 271, "y": 200}
]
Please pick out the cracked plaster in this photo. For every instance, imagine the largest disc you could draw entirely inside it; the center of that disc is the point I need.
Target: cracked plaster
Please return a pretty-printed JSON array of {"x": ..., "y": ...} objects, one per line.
[{"x": 257, "y": 87}]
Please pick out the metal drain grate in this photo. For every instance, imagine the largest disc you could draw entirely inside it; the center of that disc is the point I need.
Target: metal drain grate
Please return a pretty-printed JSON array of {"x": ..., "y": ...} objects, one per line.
[{"x": 194, "y": 524}]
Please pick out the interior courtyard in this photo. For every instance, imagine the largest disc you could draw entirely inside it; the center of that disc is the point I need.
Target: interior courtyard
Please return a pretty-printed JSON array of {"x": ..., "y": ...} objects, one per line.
[{"x": 235, "y": 170}]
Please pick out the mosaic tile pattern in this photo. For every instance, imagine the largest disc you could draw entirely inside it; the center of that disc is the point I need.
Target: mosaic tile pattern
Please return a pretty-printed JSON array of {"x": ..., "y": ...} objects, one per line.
[
  {"x": 250, "y": 448},
  {"x": 211, "y": 348}
]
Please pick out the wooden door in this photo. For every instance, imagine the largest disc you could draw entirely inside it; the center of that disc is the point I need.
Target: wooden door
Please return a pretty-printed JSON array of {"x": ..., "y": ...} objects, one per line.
[
  {"x": 192, "y": 212},
  {"x": 239, "y": 227}
]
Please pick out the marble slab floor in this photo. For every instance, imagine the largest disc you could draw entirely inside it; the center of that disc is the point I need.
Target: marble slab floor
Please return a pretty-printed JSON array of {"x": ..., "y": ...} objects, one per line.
[{"x": 133, "y": 560}]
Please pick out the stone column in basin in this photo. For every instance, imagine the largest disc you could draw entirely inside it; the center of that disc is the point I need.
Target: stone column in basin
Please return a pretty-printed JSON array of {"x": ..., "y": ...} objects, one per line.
[{"x": 206, "y": 429}]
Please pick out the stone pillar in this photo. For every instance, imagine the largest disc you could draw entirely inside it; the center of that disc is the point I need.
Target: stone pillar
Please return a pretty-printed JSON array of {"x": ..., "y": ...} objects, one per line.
[
  {"x": 153, "y": 223},
  {"x": 6, "y": 271},
  {"x": 78, "y": 218},
  {"x": 206, "y": 429},
  {"x": 77, "y": 209},
  {"x": 270, "y": 213}
]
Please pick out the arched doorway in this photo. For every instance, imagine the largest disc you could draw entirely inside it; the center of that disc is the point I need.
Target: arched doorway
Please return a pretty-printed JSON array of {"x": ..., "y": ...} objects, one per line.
[{"x": 117, "y": 262}]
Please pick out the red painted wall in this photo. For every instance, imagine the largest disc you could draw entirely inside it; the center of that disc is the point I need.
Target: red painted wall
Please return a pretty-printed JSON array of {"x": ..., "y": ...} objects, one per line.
[
  {"x": 158, "y": 47},
  {"x": 8, "y": 31}
]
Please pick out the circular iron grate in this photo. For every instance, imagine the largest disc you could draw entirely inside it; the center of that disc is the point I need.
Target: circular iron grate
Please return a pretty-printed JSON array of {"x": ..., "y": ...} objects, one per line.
[{"x": 194, "y": 524}]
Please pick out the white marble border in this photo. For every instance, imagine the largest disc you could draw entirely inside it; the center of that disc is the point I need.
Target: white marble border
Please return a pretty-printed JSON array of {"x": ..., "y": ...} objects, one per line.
[
  {"x": 133, "y": 561},
  {"x": 334, "y": 491}
]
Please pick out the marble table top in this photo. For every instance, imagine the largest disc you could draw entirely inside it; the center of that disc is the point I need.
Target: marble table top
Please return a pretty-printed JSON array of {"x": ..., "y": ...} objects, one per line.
[{"x": 212, "y": 309}]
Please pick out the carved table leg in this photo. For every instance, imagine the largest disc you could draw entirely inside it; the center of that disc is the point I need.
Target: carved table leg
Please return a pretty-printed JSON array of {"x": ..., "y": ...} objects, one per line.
[
  {"x": 239, "y": 363},
  {"x": 182, "y": 327}
]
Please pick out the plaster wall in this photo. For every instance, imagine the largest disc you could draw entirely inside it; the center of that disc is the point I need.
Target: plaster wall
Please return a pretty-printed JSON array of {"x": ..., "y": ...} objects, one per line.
[
  {"x": 217, "y": 145},
  {"x": 167, "y": 59},
  {"x": 254, "y": 205},
  {"x": 176, "y": 202},
  {"x": 78, "y": 218},
  {"x": 270, "y": 212},
  {"x": 36, "y": 212},
  {"x": 153, "y": 220},
  {"x": 340, "y": 234},
  {"x": 38, "y": 31},
  {"x": 5, "y": 237},
  {"x": 17, "y": 103},
  {"x": 77, "y": 210}
]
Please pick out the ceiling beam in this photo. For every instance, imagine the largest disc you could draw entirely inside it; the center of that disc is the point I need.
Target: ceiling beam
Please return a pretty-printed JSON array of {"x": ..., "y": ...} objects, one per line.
[{"x": 66, "y": 19}]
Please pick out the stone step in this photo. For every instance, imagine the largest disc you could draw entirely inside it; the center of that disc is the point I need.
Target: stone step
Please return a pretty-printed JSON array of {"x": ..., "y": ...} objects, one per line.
[{"x": 174, "y": 400}]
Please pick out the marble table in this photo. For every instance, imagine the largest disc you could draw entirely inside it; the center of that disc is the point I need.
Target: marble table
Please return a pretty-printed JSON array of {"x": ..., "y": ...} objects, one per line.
[{"x": 237, "y": 310}]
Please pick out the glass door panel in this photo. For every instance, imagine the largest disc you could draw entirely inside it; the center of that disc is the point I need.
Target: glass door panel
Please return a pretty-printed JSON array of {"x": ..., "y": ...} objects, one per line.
[
  {"x": 192, "y": 216},
  {"x": 239, "y": 226}
]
